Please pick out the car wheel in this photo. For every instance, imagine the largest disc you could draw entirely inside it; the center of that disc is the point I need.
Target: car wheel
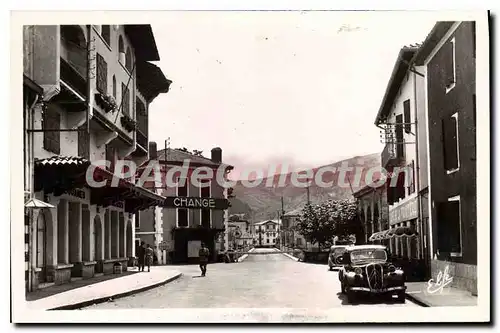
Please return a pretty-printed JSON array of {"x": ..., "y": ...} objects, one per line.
[
  {"x": 351, "y": 296},
  {"x": 342, "y": 288},
  {"x": 401, "y": 297}
]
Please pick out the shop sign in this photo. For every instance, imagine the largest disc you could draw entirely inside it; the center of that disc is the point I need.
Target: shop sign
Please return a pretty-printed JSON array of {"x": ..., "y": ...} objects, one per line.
[
  {"x": 404, "y": 212},
  {"x": 78, "y": 193},
  {"x": 196, "y": 203}
]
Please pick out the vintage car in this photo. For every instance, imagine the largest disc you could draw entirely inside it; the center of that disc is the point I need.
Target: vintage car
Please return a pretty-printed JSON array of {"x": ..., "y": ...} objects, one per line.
[
  {"x": 366, "y": 270},
  {"x": 335, "y": 251}
]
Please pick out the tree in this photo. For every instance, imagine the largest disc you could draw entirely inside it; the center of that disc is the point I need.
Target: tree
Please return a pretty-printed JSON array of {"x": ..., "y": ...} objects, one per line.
[{"x": 322, "y": 222}]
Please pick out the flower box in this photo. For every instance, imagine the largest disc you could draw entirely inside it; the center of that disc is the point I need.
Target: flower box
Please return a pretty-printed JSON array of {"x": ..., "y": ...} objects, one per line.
[
  {"x": 128, "y": 123},
  {"x": 106, "y": 102}
]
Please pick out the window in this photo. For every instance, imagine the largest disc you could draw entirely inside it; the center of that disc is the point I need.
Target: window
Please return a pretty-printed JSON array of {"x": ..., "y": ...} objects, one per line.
[
  {"x": 121, "y": 46},
  {"x": 125, "y": 100},
  {"x": 407, "y": 116},
  {"x": 114, "y": 87},
  {"x": 51, "y": 120},
  {"x": 84, "y": 142},
  {"x": 182, "y": 217},
  {"x": 106, "y": 33},
  {"x": 182, "y": 187},
  {"x": 268, "y": 241},
  {"x": 205, "y": 214},
  {"x": 128, "y": 60},
  {"x": 450, "y": 66},
  {"x": 450, "y": 143},
  {"x": 102, "y": 74},
  {"x": 449, "y": 227}
]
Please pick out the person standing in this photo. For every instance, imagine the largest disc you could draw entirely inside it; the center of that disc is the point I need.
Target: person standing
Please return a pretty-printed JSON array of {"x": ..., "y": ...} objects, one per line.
[
  {"x": 203, "y": 255},
  {"x": 141, "y": 254},
  {"x": 149, "y": 257}
]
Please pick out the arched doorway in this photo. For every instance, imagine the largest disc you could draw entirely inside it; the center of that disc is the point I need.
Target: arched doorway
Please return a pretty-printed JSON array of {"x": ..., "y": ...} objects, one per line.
[
  {"x": 41, "y": 246},
  {"x": 98, "y": 239}
]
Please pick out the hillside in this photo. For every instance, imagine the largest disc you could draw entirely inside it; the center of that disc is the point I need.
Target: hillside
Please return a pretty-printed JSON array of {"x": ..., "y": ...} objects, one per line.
[{"x": 265, "y": 202}]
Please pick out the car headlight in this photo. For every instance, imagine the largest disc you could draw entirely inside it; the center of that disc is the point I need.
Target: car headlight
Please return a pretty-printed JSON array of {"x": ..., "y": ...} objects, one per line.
[{"x": 358, "y": 271}]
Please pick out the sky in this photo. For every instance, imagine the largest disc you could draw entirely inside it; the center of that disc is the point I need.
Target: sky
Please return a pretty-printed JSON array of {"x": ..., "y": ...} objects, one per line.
[{"x": 301, "y": 88}]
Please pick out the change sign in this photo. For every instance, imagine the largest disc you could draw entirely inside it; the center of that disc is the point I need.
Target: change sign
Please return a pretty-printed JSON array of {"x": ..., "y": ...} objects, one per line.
[{"x": 196, "y": 203}]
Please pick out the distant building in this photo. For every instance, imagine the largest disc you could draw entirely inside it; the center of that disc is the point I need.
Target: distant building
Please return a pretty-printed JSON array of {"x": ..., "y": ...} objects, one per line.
[
  {"x": 240, "y": 235},
  {"x": 266, "y": 233}
]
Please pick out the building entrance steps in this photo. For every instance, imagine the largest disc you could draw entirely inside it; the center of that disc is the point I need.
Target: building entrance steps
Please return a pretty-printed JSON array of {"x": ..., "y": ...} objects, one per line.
[
  {"x": 418, "y": 292},
  {"x": 92, "y": 291}
]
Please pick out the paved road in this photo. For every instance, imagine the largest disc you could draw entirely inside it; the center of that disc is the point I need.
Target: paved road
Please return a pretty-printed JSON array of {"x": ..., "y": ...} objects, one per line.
[{"x": 260, "y": 281}]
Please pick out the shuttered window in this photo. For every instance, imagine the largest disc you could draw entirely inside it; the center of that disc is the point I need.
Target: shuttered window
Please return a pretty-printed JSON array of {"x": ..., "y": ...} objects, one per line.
[
  {"x": 206, "y": 216},
  {"x": 51, "y": 121},
  {"x": 102, "y": 74},
  {"x": 449, "y": 227},
  {"x": 450, "y": 143},
  {"x": 411, "y": 175},
  {"x": 407, "y": 116},
  {"x": 84, "y": 142},
  {"x": 125, "y": 100},
  {"x": 449, "y": 63},
  {"x": 182, "y": 188},
  {"x": 106, "y": 33}
]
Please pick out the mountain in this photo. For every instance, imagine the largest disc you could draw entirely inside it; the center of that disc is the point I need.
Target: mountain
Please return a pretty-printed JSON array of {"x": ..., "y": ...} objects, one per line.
[{"x": 262, "y": 202}]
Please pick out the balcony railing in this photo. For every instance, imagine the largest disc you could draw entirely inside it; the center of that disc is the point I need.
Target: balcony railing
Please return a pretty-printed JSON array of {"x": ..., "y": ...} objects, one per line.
[
  {"x": 70, "y": 75},
  {"x": 391, "y": 156},
  {"x": 142, "y": 140}
]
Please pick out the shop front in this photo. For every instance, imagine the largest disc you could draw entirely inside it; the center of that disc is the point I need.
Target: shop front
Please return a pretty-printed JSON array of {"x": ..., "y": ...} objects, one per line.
[{"x": 89, "y": 230}]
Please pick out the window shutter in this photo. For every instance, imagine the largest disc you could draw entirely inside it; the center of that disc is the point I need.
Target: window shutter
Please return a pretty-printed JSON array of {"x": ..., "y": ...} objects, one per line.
[
  {"x": 102, "y": 74},
  {"x": 125, "y": 100},
  {"x": 407, "y": 116},
  {"x": 450, "y": 143},
  {"x": 399, "y": 137},
  {"x": 449, "y": 64},
  {"x": 106, "y": 33},
  {"x": 83, "y": 143},
  {"x": 51, "y": 140}
]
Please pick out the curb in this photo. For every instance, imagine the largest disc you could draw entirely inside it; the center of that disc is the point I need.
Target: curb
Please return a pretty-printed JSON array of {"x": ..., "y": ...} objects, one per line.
[
  {"x": 417, "y": 301},
  {"x": 290, "y": 256},
  {"x": 243, "y": 257},
  {"x": 83, "y": 304}
]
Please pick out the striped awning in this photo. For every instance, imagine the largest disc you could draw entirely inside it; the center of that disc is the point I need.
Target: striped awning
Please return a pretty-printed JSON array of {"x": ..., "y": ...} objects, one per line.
[
  {"x": 62, "y": 160},
  {"x": 394, "y": 232},
  {"x": 35, "y": 203}
]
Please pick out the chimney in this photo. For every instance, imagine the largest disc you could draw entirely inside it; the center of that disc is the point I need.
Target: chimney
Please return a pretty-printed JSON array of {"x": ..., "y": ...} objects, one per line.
[
  {"x": 153, "y": 152},
  {"x": 217, "y": 155}
]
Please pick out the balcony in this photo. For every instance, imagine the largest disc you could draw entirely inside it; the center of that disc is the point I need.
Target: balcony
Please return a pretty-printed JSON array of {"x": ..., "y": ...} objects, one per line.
[{"x": 392, "y": 155}]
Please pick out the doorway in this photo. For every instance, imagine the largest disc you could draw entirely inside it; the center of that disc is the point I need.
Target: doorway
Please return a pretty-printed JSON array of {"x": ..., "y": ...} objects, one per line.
[{"x": 41, "y": 247}]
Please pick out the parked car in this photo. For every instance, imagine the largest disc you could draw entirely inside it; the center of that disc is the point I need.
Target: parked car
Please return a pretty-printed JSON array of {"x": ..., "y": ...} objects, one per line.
[
  {"x": 335, "y": 251},
  {"x": 367, "y": 270}
]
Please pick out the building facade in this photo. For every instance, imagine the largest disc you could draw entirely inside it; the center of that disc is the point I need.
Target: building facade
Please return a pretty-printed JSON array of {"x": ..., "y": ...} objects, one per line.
[
  {"x": 190, "y": 214},
  {"x": 373, "y": 211},
  {"x": 93, "y": 109},
  {"x": 240, "y": 235},
  {"x": 290, "y": 236},
  {"x": 402, "y": 116},
  {"x": 267, "y": 233},
  {"x": 448, "y": 59}
]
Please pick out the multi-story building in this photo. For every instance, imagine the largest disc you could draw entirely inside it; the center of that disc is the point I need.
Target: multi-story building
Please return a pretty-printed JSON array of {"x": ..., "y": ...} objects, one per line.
[
  {"x": 267, "y": 233},
  {"x": 291, "y": 237},
  {"x": 402, "y": 116},
  {"x": 373, "y": 211},
  {"x": 447, "y": 58},
  {"x": 190, "y": 214},
  {"x": 97, "y": 84},
  {"x": 240, "y": 235}
]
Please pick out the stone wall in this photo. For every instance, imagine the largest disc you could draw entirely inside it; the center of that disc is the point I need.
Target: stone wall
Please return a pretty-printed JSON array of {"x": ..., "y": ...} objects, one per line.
[{"x": 464, "y": 276}]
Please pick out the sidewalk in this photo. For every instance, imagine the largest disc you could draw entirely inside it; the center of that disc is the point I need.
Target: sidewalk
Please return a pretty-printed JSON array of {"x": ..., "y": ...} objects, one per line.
[
  {"x": 102, "y": 291},
  {"x": 417, "y": 292}
]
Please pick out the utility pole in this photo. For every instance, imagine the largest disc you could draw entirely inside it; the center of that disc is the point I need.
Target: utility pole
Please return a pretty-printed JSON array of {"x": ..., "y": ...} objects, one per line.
[{"x": 308, "y": 194}]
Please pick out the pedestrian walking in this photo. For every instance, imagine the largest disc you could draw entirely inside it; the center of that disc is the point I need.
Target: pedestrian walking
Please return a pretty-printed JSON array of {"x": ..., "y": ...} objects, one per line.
[
  {"x": 141, "y": 254},
  {"x": 149, "y": 257},
  {"x": 203, "y": 255}
]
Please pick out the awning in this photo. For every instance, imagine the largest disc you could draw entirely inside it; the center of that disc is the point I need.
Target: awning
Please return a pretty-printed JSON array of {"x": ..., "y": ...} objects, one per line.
[
  {"x": 394, "y": 232},
  {"x": 59, "y": 174},
  {"x": 35, "y": 203}
]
